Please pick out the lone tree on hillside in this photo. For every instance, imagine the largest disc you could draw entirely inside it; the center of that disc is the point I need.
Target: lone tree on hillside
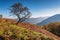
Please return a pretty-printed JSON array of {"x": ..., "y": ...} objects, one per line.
[{"x": 20, "y": 11}]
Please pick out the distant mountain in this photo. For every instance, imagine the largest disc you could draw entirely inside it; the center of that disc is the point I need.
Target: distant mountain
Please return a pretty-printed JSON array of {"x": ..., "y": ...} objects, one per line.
[
  {"x": 35, "y": 20},
  {"x": 55, "y": 18}
]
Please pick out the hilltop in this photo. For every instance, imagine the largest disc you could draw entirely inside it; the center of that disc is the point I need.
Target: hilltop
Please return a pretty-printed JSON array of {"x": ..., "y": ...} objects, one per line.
[{"x": 23, "y": 31}]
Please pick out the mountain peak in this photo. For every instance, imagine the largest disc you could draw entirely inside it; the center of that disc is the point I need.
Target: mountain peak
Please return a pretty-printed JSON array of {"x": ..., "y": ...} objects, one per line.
[
  {"x": 54, "y": 18},
  {"x": 57, "y": 15}
]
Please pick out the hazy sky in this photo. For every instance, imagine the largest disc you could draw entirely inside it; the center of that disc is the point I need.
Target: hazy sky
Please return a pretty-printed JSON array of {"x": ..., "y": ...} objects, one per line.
[{"x": 38, "y": 8}]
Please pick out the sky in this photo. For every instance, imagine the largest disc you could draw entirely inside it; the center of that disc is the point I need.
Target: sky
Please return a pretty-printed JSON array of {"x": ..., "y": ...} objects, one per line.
[{"x": 38, "y": 8}]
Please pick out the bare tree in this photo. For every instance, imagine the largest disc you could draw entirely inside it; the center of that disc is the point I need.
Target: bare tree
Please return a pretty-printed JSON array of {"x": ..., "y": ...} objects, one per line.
[{"x": 20, "y": 11}]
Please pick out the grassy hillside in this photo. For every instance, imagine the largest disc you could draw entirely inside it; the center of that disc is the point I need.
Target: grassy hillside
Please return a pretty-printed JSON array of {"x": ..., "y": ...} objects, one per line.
[
  {"x": 10, "y": 31},
  {"x": 53, "y": 27}
]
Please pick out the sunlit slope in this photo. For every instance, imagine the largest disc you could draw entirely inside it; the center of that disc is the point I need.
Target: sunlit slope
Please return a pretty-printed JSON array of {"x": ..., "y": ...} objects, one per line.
[{"x": 10, "y": 31}]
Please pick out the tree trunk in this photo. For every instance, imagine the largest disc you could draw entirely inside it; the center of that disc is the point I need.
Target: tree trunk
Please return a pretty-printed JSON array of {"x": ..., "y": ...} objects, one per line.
[{"x": 18, "y": 20}]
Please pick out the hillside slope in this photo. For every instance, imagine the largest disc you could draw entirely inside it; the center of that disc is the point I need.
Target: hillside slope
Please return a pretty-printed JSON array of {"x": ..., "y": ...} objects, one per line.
[
  {"x": 25, "y": 29},
  {"x": 38, "y": 29}
]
